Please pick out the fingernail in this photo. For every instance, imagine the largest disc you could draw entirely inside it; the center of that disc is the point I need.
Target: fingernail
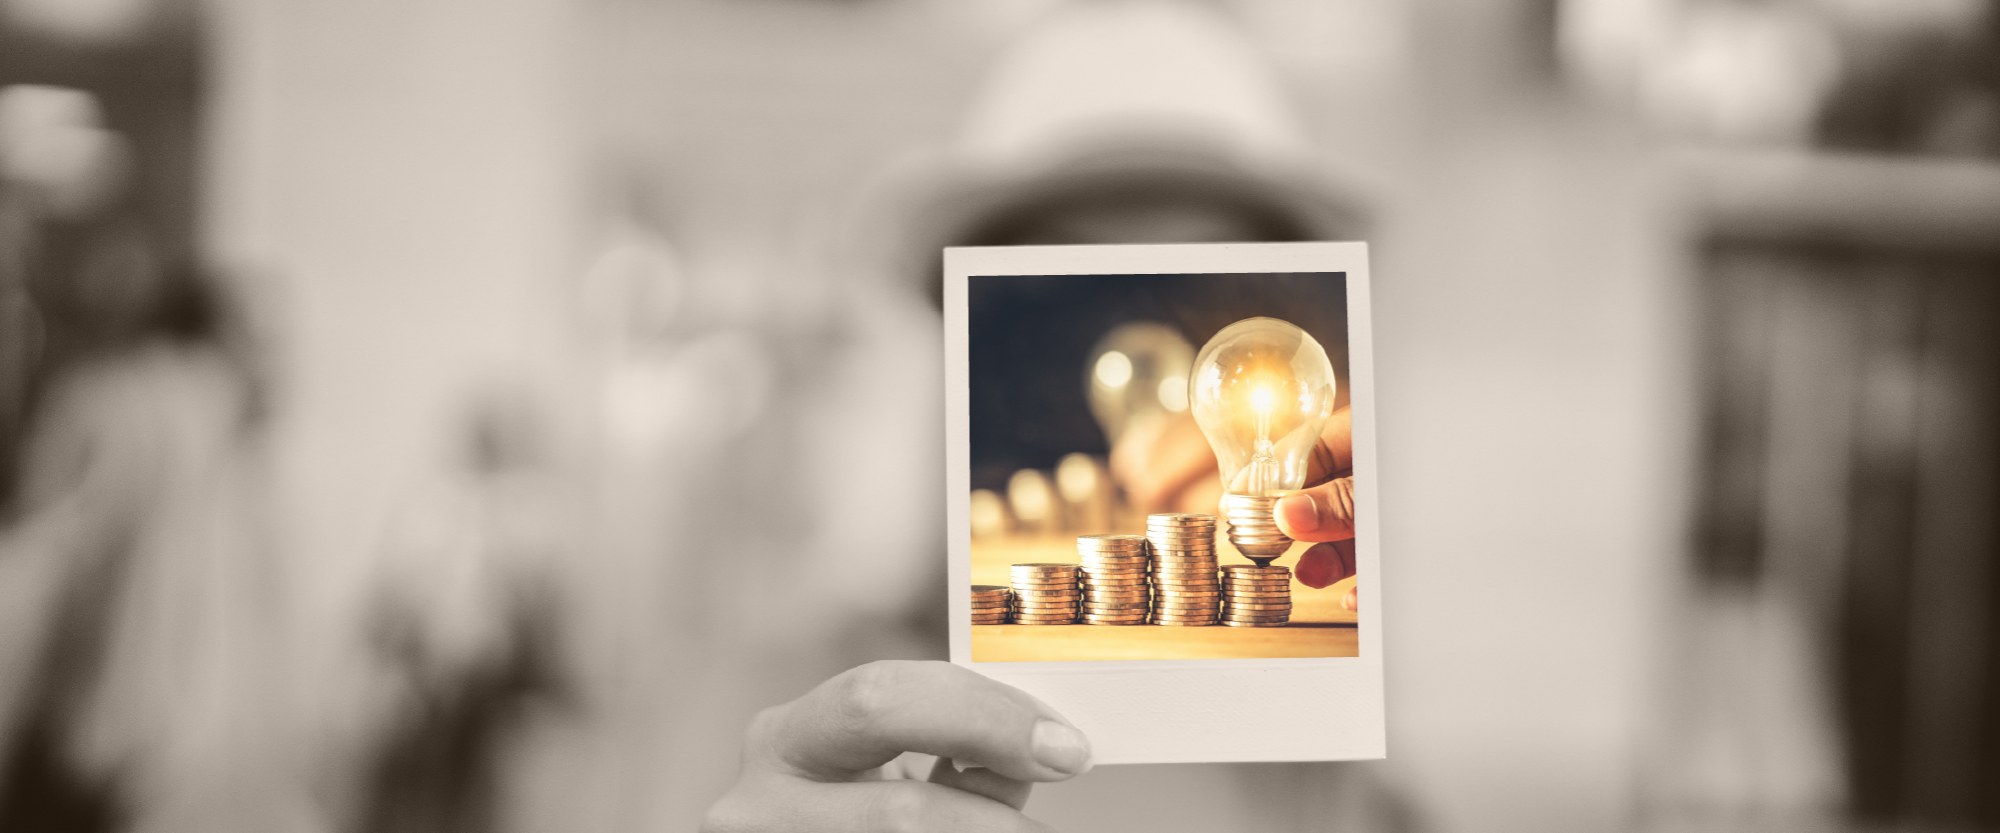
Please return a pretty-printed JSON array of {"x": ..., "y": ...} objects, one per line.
[
  {"x": 1061, "y": 748},
  {"x": 1353, "y": 601},
  {"x": 1299, "y": 512}
]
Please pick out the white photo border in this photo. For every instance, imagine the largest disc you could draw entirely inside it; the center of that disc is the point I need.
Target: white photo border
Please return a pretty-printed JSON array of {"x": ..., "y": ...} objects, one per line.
[{"x": 1196, "y": 710}]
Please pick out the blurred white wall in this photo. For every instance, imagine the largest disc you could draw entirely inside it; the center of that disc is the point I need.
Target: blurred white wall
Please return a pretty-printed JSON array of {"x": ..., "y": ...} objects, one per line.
[
  {"x": 407, "y": 176},
  {"x": 393, "y": 184}
]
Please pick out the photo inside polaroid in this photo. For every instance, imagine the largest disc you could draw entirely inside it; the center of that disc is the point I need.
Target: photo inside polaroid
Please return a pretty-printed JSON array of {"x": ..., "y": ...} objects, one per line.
[{"x": 1131, "y": 436}]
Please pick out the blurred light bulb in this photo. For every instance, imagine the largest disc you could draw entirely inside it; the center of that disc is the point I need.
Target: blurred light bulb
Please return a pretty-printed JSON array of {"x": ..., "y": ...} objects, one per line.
[
  {"x": 1131, "y": 371},
  {"x": 1173, "y": 394},
  {"x": 1261, "y": 390},
  {"x": 988, "y": 514},
  {"x": 1031, "y": 498},
  {"x": 1114, "y": 369}
]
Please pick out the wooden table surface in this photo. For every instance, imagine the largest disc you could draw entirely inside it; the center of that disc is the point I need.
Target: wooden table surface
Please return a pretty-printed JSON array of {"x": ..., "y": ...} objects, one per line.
[{"x": 1319, "y": 627}]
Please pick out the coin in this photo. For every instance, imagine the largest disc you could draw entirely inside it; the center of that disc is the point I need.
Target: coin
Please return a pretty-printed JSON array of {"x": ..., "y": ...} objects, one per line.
[
  {"x": 1239, "y": 590},
  {"x": 1235, "y": 624},
  {"x": 1255, "y": 570},
  {"x": 1115, "y": 558},
  {"x": 1049, "y": 591}
]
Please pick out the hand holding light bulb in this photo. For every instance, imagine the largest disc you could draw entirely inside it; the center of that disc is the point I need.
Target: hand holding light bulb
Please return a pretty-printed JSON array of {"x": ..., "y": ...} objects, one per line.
[
  {"x": 1174, "y": 469},
  {"x": 1262, "y": 390}
]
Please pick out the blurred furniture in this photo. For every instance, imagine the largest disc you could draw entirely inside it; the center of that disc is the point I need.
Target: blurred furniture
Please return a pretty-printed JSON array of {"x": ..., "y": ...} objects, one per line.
[{"x": 1849, "y": 319}]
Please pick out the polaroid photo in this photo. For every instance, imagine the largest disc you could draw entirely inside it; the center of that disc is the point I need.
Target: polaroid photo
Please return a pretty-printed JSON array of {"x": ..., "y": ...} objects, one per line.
[{"x": 1120, "y": 424}]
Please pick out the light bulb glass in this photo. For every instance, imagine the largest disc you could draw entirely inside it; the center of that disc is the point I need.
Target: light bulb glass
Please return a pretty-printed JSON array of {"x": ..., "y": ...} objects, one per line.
[{"x": 1261, "y": 391}]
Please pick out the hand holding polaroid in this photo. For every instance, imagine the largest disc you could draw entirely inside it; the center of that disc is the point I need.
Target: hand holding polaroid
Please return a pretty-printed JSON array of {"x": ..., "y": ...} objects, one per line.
[{"x": 1176, "y": 617}]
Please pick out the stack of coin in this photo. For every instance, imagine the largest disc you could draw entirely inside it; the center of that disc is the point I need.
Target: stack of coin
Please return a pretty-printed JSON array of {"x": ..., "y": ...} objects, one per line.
[
  {"x": 1185, "y": 591},
  {"x": 1256, "y": 596},
  {"x": 1115, "y": 589},
  {"x": 1045, "y": 594},
  {"x": 991, "y": 603}
]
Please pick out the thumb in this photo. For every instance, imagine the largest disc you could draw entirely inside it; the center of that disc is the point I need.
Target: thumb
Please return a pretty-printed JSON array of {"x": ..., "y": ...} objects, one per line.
[{"x": 1321, "y": 513}]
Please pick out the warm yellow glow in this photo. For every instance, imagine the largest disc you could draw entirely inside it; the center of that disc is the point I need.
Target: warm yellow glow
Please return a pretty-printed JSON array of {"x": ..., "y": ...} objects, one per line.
[
  {"x": 1076, "y": 478},
  {"x": 989, "y": 514},
  {"x": 1030, "y": 496},
  {"x": 1173, "y": 394},
  {"x": 1263, "y": 400},
  {"x": 1114, "y": 369}
]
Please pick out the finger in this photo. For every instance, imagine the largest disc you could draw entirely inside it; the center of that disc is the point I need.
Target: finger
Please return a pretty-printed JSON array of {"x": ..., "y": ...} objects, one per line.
[
  {"x": 868, "y": 715},
  {"x": 1321, "y": 513},
  {"x": 1345, "y": 590},
  {"x": 1334, "y": 454},
  {"x": 790, "y": 804},
  {"x": 982, "y": 781},
  {"x": 1326, "y": 563}
]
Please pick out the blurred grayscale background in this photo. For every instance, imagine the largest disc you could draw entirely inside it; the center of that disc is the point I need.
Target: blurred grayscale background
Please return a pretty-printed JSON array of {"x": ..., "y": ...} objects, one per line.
[{"x": 461, "y": 416}]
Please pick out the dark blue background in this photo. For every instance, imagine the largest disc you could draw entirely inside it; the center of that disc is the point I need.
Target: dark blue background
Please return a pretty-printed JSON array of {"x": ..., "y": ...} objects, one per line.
[{"x": 1029, "y": 340}]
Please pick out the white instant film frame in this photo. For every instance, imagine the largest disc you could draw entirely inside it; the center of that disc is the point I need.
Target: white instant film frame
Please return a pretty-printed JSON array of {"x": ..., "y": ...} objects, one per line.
[{"x": 1175, "y": 711}]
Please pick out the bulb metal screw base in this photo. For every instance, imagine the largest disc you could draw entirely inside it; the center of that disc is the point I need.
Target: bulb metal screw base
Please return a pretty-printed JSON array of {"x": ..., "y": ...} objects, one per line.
[{"x": 1253, "y": 529}]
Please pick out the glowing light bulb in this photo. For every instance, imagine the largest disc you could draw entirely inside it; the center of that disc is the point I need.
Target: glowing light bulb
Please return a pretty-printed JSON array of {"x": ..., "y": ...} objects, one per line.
[
  {"x": 1261, "y": 391},
  {"x": 1138, "y": 376}
]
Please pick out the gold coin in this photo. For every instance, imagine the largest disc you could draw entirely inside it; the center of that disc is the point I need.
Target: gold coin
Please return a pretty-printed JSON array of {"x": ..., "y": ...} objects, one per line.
[
  {"x": 1256, "y": 624},
  {"x": 1179, "y": 517},
  {"x": 1255, "y": 570},
  {"x": 1238, "y": 593},
  {"x": 1185, "y": 577}
]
